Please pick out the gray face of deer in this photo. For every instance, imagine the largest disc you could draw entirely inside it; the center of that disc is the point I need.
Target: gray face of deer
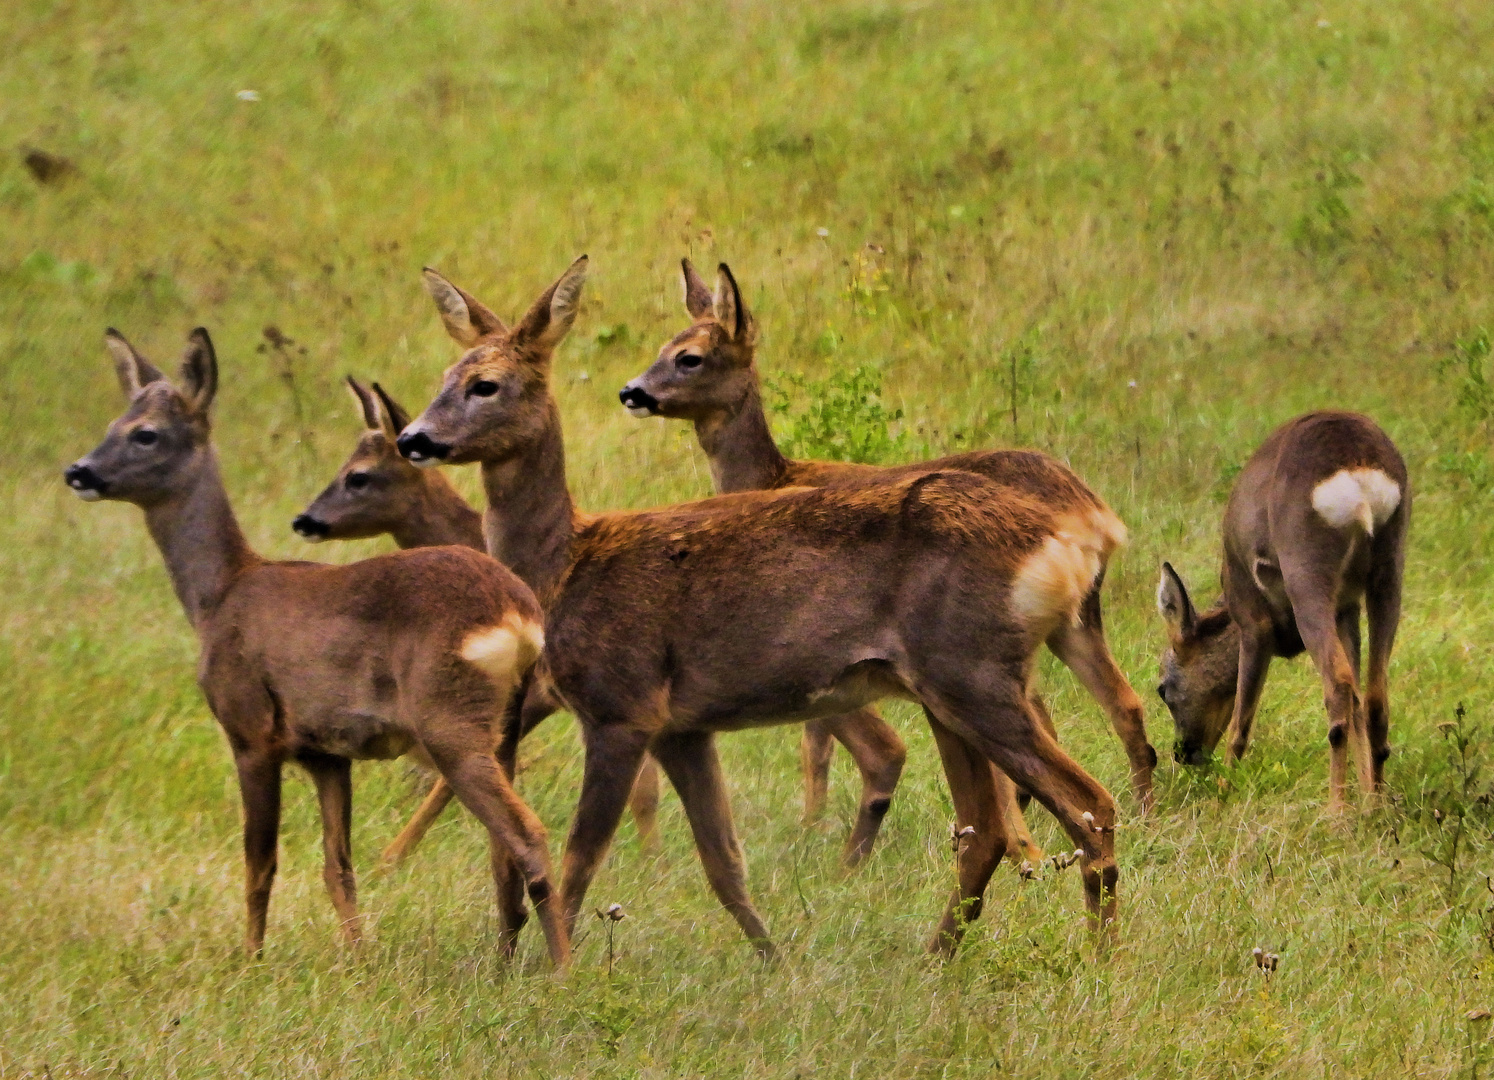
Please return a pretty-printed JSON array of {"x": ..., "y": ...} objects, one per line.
[
  {"x": 373, "y": 493},
  {"x": 698, "y": 373},
  {"x": 1198, "y": 688},
  {"x": 143, "y": 451}
]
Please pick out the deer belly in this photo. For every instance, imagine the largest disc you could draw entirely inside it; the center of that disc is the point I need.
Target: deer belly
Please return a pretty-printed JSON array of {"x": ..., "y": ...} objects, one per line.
[{"x": 360, "y": 736}]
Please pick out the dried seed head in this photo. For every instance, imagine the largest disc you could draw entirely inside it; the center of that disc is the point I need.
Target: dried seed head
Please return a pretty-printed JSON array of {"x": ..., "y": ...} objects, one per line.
[
  {"x": 1475, "y": 1015},
  {"x": 614, "y": 913},
  {"x": 1026, "y": 871},
  {"x": 1089, "y": 819}
]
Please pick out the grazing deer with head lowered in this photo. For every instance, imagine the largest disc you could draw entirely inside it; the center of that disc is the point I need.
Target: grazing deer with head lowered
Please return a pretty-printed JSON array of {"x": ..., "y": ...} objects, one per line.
[
  {"x": 707, "y": 374},
  {"x": 665, "y": 627},
  {"x": 377, "y": 491},
  {"x": 421, "y": 651},
  {"x": 1315, "y": 527}
]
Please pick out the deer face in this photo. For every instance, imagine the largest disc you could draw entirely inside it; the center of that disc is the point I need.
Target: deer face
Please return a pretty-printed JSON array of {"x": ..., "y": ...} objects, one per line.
[
  {"x": 151, "y": 453},
  {"x": 706, "y": 369},
  {"x": 495, "y": 399},
  {"x": 1200, "y": 669}
]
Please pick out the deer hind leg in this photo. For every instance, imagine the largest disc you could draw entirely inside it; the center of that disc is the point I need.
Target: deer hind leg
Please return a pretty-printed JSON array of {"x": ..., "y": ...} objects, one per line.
[
  {"x": 333, "y": 777},
  {"x": 409, "y": 837},
  {"x": 1383, "y": 608},
  {"x": 689, "y": 759},
  {"x": 974, "y": 788},
  {"x": 1084, "y": 651},
  {"x": 816, "y": 747},
  {"x": 1359, "y": 743},
  {"x": 259, "y": 787},
  {"x": 614, "y": 754},
  {"x": 643, "y": 804},
  {"x": 879, "y": 753},
  {"x": 1318, "y": 623}
]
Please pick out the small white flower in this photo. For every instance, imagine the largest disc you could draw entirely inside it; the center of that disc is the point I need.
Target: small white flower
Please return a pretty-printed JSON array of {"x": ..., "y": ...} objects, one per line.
[
  {"x": 1324, "y": 24},
  {"x": 585, "y": 376},
  {"x": 247, "y": 95},
  {"x": 822, "y": 232},
  {"x": 1132, "y": 384}
]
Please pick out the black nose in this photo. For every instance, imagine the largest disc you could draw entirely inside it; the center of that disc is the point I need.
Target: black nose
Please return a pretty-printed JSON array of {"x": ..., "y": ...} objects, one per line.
[
  {"x": 309, "y": 527},
  {"x": 82, "y": 478},
  {"x": 1188, "y": 754},
  {"x": 634, "y": 397},
  {"x": 421, "y": 447}
]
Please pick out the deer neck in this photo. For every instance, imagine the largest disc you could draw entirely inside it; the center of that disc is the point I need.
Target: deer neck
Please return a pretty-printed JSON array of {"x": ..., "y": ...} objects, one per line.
[
  {"x": 740, "y": 447},
  {"x": 200, "y": 540},
  {"x": 442, "y": 517},
  {"x": 530, "y": 518}
]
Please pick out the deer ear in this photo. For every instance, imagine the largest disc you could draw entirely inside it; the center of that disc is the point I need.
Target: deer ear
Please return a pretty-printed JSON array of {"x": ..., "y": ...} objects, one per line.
[
  {"x": 134, "y": 370},
  {"x": 200, "y": 371},
  {"x": 729, "y": 309},
  {"x": 551, "y": 316},
  {"x": 395, "y": 418},
  {"x": 467, "y": 319},
  {"x": 368, "y": 405},
  {"x": 1175, "y": 606},
  {"x": 698, "y": 300}
]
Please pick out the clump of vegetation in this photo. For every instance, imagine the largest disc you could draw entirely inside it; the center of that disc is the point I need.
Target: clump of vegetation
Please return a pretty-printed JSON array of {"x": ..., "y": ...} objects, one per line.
[{"x": 841, "y": 417}]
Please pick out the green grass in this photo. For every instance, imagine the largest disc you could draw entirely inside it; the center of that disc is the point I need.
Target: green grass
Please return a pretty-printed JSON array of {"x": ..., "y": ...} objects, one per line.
[{"x": 1136, "y": 235}]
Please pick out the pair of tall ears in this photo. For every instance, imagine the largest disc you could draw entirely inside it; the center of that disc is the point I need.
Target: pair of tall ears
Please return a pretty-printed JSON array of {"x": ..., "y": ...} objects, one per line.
[
  {"x": 199, "y": 372},
  {"x": 548, "y": 319},
  {"x": 724, "y": 305},
  {"x": 1175, "y": 606},
  {"x": 381, "y": 412}
]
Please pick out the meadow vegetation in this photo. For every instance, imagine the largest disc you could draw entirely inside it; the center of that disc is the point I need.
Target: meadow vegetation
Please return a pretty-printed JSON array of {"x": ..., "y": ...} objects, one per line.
[{"x": 1136, "y": 235}]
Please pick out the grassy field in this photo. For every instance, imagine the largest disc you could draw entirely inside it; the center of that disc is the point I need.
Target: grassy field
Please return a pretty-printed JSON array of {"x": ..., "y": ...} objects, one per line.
[{"x": 1136, "y": 235}]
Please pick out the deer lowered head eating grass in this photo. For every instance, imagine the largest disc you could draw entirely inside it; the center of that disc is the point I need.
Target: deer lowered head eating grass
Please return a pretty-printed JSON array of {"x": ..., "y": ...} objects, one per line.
[
  {"x": 1315, "y": 528},
  {"x": 707, "y": 374},
  {"x": 424, "y": 652},
  {"x": 666, "y": 627},
  {"x": 377, "y": 491}
]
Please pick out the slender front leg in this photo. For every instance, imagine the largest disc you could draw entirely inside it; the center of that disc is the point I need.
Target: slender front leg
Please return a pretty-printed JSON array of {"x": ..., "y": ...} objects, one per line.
[
  {"x": 333, "y": 777},
  {"x": 259, "y": 787},
  {"x": 614, "y": 754},
  {"x": 816, "y": 747},
  {"x": 690, "y": 761},
  {"x": 879, "y": 754},
  {"x": 410, "y": 836},
  {"x": 1382, "y": 603},
  {"x": 1255, "y": 661}
]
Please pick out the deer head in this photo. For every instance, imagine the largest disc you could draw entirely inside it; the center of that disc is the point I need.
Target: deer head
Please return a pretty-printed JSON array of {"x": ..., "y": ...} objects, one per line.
[
  {"x": 705, "y": 369},
  {"x": 154, "y": 451},
  {"x": 376, "y": 490},
  {"x": 1200, "y": 669},
  {"x": 491, "y": 400}
]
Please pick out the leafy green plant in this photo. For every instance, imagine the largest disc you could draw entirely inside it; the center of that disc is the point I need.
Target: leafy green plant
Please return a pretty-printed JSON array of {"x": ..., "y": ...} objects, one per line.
[
  {"x": 841, "y": 417},
  {"x": 1324, "y": 226},
  {"x": 1466, "y": 368}
]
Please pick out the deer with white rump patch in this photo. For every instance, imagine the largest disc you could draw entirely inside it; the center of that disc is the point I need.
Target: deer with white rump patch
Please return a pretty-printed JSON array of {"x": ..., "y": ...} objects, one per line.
[
  {"x": 426, "y": 652},
  {"x": 1315, "y": 527},
  {"x": 665, "y": 627},
  {"x": 377, "y": 491}
]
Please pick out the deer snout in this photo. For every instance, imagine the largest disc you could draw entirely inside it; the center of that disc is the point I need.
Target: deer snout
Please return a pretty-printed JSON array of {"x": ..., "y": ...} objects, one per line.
[
  {"x": 84, "y": 482},
  {"x": 638, "y": 401},
  {"x": 420, "y": 449},
  {"x": 309, "y": 528},
  {"x": 1188, "y": 754}
]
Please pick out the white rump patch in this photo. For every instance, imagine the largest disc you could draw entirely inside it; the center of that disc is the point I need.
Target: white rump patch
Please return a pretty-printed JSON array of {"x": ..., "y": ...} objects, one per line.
[
  {"x": 503, "y": 651},
  {"x": 1365, "y": 496},
  {"x": 1054, "y": 580}
]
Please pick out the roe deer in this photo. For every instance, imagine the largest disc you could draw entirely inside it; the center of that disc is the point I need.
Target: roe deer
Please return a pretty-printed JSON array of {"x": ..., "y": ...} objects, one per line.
[
  {"x": 421, "y": 651},
  {"x": 1315, "y": 526},
  {"x": 706, "y": 374},
  {"x": 376, "y": 491},
  {"x": 665, "y": 627}
]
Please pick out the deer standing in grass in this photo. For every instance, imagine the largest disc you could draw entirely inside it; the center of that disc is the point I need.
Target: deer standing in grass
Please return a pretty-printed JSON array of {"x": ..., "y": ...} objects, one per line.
[
  {"x": 422, "y": 651},
  {"x": 375, "y": 492},
  {"x": 665, "y": 627},
  {"x": 1315, "y": 527},
  {"x": 707, "y": 374}
]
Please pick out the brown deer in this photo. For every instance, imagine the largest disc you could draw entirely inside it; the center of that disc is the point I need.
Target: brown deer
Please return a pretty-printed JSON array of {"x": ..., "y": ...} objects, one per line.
[
  {"x": 707, "y": 374},
  {"x": 665, "y": 627},
  {"x": 1315, "y": 527},
  {"x": 420, "y": 651},
  {"x": 375, "y": 492}
]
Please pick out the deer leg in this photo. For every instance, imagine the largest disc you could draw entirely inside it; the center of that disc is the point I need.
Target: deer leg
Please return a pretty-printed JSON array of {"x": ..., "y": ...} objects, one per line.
[
  {"x": 409, "y": 837},
  {"x": 879, "y": 754},
  {"x": 973, "y": 786},
  {"x": 643, "y": 804},
  {"x": 816, "y": 747},
  {"x": 614, "y": 754},
  {"x": 259, "y": 787},
  {"x": 1383, "y": 611},
  {"x": 1347, "y": 625},
  {"x": 689, "y": 758},
  {"x": 464, "y": 755},
  {"x": 1255, "y": 661},
  {"x": 1084, "y": 651},
  {"x": 333, "y": 777},
  {"x": 1311, "y": 595}
]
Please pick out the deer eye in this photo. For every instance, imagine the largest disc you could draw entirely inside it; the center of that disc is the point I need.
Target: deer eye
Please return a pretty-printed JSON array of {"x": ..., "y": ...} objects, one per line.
[
  {"x": 689, "y": 360},
  {"x": 357, "y": 481},
  {"x": 483, "y": 388},
  {"x": 143, "y": 437}
]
